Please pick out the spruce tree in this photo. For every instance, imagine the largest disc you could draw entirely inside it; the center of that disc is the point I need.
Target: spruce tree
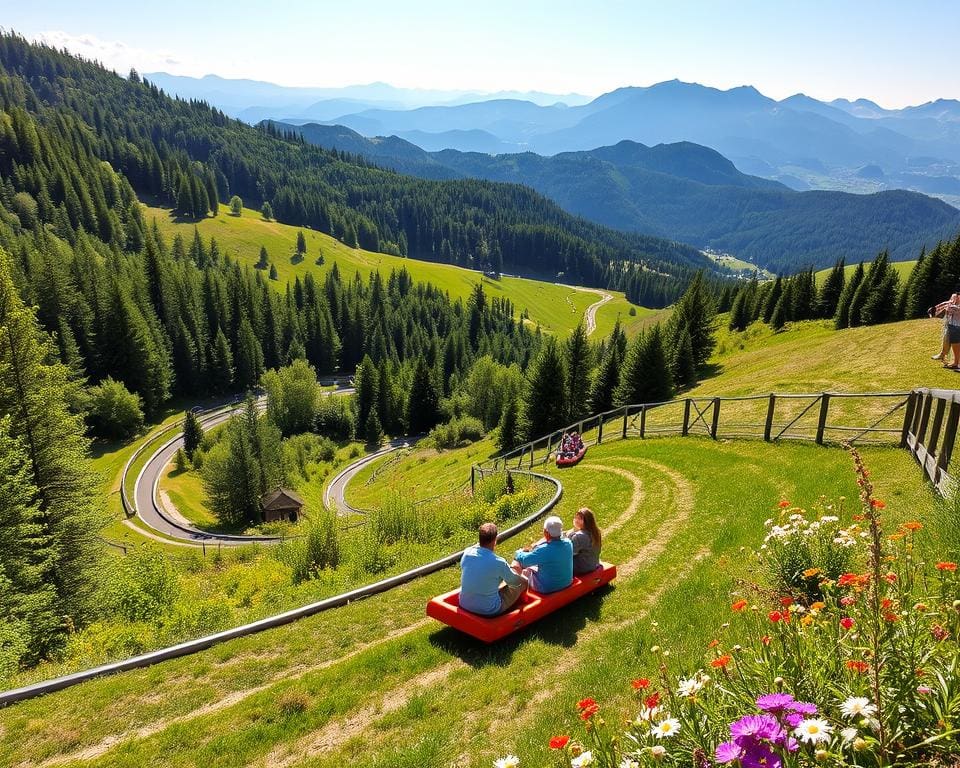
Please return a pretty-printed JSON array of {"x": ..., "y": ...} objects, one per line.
[
  {"x": 740, "y": 311},
  {"x": 645, "y": 374},
  {"x": 37, "y": 394},
  {"x": 605, "y": 381},
  {"x": 508, "y": 427},
  {"x": 423, "y": 403},
  {"x": 274, "y": 275},
  {"x": 543, "y": 403},
  {"x": 220, "y": 378},
  {"x": 682, "y": 364},
  {"x": 842, "y": 318},
  {"x": 264, "y": 261},
  {"x": 248, "y": 357},
  {"x": 695, "y": 312},
  {"x": 366, "y": 384},
  {"x": 266, "y": 210},
  {"x": 576, "y": 353},
  {"x": 192, "y": 433},
  {"x": 772, "y": 298},
  {"x": 373, "y": 430},
  {"x": 830, "y": 291},
  {"x": 301, "y": 243}
]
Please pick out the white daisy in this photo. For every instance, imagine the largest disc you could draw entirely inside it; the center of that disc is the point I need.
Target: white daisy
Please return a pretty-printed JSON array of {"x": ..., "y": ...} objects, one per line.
[
  {"x": 690, "y": 686},
  {"x": 813, "y": 731},
  {"x": 858, "y": 706},
  {"x": 583, "y": 761},
  {"x": 848, "y": 735},
  {"x": 657, "y": 752},
  {"x": 666, "y": 728},
  {"x": 647, "y": 715},
  {"x": 628, "y": 762},
  {"x": 510, "y": 761}
]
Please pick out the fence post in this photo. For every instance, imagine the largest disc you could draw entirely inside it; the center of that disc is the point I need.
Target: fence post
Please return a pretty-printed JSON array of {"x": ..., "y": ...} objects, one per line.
[
  {"x": 935, "y": 427},
  {"x": 822, "y": 421},
  {"x": 626, "y": 411},
  {"x": 473, "y": 481},
  {"x": 908, "y": 418},
  {"x": 716, "y": 418},
  {"x": 643, "y": 420},
  {"x": 924, "y": 418},
  {"x": 949, "y": 437},
  {"x": 599, "y": 429},
  {"x": 769, "y": 423},
  {"x": 686, "y": 417}
]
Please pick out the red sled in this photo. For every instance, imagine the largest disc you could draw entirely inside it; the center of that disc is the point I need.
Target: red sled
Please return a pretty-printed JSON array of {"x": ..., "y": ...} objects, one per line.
[
  {"x": 569, "y": 461},
  {"x": 529, "y": 608}
]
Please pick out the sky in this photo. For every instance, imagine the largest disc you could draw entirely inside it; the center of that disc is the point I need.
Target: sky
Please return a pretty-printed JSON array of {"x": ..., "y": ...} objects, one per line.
[{"x": 894, "y": 53}]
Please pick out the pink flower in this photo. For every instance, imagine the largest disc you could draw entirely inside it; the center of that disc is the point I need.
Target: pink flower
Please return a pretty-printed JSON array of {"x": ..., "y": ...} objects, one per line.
[{"x": 924, "y": 689}]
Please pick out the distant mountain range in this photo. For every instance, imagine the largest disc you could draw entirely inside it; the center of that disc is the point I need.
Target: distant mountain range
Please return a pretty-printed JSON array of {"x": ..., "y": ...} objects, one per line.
[
  {"x": 255, "y": 100},
  {"x": 686, "y": 192}
]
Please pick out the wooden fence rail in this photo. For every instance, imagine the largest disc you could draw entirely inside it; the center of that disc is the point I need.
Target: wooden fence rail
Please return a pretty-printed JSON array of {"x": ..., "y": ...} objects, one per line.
[{"x": 924, "y": 421}]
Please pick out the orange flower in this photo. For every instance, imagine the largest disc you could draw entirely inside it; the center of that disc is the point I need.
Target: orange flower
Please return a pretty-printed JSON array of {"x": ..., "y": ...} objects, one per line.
[
  {"x": 858, "y": 518},
  {"x": 652, "y": 701},
  {"x": 786, "y": 602},
  {"x": 817, "y": 606},
  {"x": 587, "y": 712},
  {"x": 559, "y": 742},
  {"x": 783, "y": 504},
  {"x": 946, "y": 566},
  {"x": 721, "y": 661},
  {"x": 713, "y": 643},
  {"x": 886, "y": 603},
  {"x": 912, "y": 526},
  {"x": 765, "y": 639},
  {"x": 891, "y": 577},
  {"x": 891, "y": 617},
  {"x": 640, "y": 684},
  {"x": 858, "y": 666},
  {"x": 877, "y": 504},
  {"x": 848, "y": 579},
  {"x": 775, "y": 616},
  {"x": 584, "y": 703},
  {"x": 738, "y": 606},
  {"x": 810, "y": 573},
  {"x": 807, "y": 620}
]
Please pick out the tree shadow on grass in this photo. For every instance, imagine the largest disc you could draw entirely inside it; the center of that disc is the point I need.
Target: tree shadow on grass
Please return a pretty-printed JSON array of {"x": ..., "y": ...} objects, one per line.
[{"x": 560, "y": 628}]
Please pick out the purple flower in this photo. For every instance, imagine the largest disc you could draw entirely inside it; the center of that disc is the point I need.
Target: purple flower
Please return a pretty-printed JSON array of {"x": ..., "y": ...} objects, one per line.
[
  {"x": 802, "y": 708},
  {"x": 760, "y": 756},
  {"x": 791, "y": 744},
  {"x": 792, "y": 719},
  {"x": 756, "y": 727},
  {"x": 774, "y": 702},
  {"x": 728, "y": 751}
]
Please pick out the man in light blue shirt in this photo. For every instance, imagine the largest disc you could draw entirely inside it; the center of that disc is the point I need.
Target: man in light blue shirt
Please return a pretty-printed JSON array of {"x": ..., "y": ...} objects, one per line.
[
  {"x": 549, "y": 563},
  {"x": 482, "y": 572}
]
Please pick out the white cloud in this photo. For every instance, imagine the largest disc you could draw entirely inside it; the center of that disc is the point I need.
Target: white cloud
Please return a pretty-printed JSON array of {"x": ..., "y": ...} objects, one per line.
[{"x": 116, "y": 55}]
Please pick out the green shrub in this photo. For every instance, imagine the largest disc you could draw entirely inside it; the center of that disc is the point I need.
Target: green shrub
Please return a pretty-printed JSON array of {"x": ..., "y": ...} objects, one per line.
[
  {"x": 457, "y": 432},
  {"x": 140, "y": 587},
  {"x": 113, "y": 411},
  {"x": 334, "y": 418},
  {"x": 318, "y": 548}
]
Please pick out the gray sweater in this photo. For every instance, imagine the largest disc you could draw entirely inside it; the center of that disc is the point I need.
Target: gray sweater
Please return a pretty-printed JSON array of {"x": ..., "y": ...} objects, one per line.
[{"x": 586, "y": 557}]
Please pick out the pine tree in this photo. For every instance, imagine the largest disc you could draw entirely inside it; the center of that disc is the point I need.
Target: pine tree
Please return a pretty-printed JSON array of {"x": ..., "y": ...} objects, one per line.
[
  {"x": 772, "y": 299},
  {"x": 180, "y": 461},
  {"x": 682, "y": 364},
  {"x": 301, "y": 243},
  {"x": 247, "y": 358},
  {"x": 605, "y": 380},
  {"x": 831, "y": 290},
  {"x": 779, "y": 316},
  {"x": 543, "y": 404},
  {"x": 366, "y": 384},
  {"x": 220, "y": 378},
  {"x": 192, "y": 433},
  {"x": 695, "y": 312},
  {"x": 576, "y": 352},
  {"x": 37, "y": 394},
  {"x": 264, "y": 261},
  {"x": 373, "y": 430},
  {"x": 508, "y": 428},
  {"x": 423, "y": 404},
  {"x": 740, "y": 311},
  {"x": 266, "y": 210},
  {"x": 842, "y": 317},
  {"x": 645, "y": 374},
  {"x": 274, "y": 275}
]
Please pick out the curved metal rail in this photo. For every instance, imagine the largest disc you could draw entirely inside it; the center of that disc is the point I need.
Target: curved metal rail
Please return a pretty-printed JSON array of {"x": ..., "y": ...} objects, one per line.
[{"x": 280, "y": 619}]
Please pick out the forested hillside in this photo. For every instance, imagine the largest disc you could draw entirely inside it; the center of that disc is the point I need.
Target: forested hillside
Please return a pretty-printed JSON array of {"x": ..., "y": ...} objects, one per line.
[{"x": 189, "y": 154}]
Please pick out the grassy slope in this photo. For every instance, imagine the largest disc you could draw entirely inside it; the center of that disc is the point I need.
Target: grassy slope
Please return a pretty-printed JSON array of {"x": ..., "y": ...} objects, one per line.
[
  {"x": 903, "y": 269},
  {"x": 556, "y": 308},
  {"x": 813, "y": 357},
  {"x": 374, "y": 684}
]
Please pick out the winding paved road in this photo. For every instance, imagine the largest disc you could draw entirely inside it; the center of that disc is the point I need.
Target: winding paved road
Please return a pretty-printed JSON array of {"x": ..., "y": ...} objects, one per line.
[
  {"x": 333, "y": 496},
  {"x": 162, "y": 517}
]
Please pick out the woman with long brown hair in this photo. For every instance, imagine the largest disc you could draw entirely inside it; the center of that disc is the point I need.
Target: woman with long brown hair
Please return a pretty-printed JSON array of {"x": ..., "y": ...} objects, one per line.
[{"x": 587, "y": 539}]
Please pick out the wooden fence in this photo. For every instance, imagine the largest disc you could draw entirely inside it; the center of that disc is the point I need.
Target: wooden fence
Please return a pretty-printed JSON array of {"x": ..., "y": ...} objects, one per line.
[{"x": 919, "y": 420}]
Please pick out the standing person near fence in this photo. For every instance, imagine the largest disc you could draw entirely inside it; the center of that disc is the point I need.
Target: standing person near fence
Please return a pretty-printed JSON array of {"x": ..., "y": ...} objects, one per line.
[{"x": 950, "y": 311}]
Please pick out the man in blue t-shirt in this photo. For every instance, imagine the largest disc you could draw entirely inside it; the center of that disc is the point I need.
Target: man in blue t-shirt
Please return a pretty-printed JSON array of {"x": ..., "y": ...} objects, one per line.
[
  {"x": 482, "y": 573},
  {"x": 549, "y": 563}
]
